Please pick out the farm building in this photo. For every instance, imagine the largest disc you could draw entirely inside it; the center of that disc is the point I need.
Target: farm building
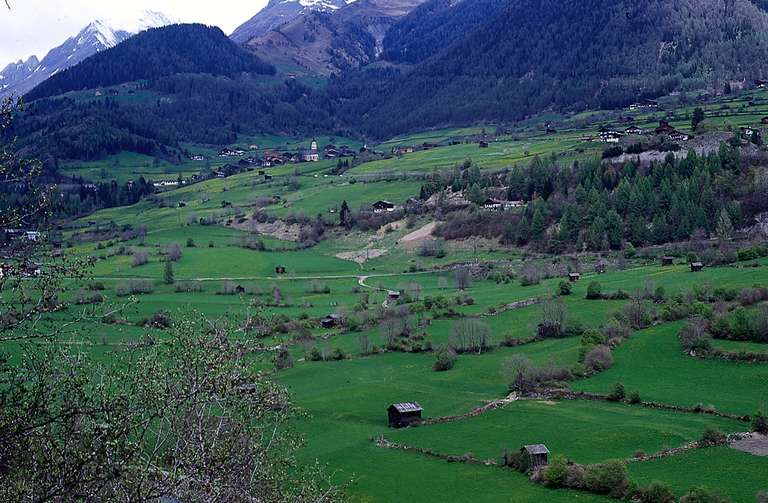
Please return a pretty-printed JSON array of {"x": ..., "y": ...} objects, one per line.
[
  {"x": 331, "y": 321},
  {"x": 483, "y": 144},
  {"x": 404, "y": 414},
  {"x": 697, "y": 267},
  {"x": 667, "y": 261},
  {"x": 665, "y": 128},
  {"x": 493, "y": 204},
  {"x": 633, "y": 131},
  {"x": 383, "y": 206},
  {"x": 393, "y": 295},
  {"x": 536, "y": 455},
  {"x": 574, "y": 276}
]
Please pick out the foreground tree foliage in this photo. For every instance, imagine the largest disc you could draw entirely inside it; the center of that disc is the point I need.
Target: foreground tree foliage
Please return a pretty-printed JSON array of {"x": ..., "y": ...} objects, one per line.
[{"x": 188, "y": 418}]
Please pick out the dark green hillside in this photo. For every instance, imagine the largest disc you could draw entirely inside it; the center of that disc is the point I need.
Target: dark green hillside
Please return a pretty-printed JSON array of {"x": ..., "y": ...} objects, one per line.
[
  {"x": 541, "y": 54},
  {"x": 191, "y": 48},
  {"x": 433, "y": 26}
]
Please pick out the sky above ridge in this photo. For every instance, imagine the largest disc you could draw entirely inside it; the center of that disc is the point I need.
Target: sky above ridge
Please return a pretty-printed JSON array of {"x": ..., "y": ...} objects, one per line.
[{"x": 33, "y": 27}]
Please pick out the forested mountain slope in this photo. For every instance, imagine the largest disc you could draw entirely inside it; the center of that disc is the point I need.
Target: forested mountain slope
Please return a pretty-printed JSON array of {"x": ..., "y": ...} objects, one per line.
[
  {"x": 433, "y": 26},
  {"x": 170, "y": 50},
  {"x": 540, "y": 54}
]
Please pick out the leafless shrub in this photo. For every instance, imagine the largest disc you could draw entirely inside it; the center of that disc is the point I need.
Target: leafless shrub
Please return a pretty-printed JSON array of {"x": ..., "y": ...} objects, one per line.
[{"x": 599, "y": 359}]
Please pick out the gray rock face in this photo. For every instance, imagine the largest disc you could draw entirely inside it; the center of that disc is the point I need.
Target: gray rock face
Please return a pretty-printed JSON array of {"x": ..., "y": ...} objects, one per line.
[{"x": 278, "y": 13}]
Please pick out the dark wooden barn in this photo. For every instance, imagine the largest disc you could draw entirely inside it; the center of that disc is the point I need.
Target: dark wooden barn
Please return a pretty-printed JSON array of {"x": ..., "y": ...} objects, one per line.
[
  {"x": 667, "y": 261},
  {"x": 574, "y": 276},
  {"x": 331, "y": 321},
  {"x": 697, "y": 267},
  {"x": 536, "y": 455},
  {"x": 404, "y": 414}
]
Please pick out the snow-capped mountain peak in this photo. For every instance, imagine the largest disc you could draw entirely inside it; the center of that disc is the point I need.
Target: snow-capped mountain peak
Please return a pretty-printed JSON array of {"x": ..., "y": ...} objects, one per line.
[{"x": 19, "y": 78}]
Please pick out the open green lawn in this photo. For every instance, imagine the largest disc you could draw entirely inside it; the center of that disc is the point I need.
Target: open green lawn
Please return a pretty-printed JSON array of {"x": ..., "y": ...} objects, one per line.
[
  {"x": 734, "y": 473},
  {"x": 585, "y": 432},
  {"x": 652, "y": 362}
]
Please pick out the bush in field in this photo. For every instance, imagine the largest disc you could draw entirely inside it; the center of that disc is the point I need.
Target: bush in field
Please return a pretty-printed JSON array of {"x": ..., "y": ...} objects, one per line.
[
  {"x": 657, "y": 492},
  {"x": 83, "y": 297},
  {"x": 160, "y": 319},
  {"x": 189, "y": 287},
  {"x": 318, "y": 287},
  {"x": 469, "y": 335},
  {"x": 522, "y": 376},
  {"x": 445, "y": 359},
  {"x": 634, "y": 397},
  {"x": 250, "y": 242},
  {"x": 191, "y": 243},
  {"x": 134, "y": 287},
  {"x": 552, "y": 319},
  {"x": 712, "y": 437},
  {"x": 283, "y": 359},
  {"x": 463, "y": 278},
  {"x": 530, "y": 274},
  {"x": 173, "y": 252},
  {"x": 609, "y": 478},
  {"x": 139, "y": 258},
  {"x": 638, "y": 313},
  {"x": 594, "y": 291},
  {"x": 760, "y": 423},
  {"x": 618, "y": 394},
  {"x": 556, "y": 474},
  {"x": 315, "y": 355},
  {"x": 599, "y": 358},
  {"x": 702, "y": 495},
  {"x": 695, "y": 339},
  {"x": 432, "y": 248},
  {"x": 564, "y": 288}
]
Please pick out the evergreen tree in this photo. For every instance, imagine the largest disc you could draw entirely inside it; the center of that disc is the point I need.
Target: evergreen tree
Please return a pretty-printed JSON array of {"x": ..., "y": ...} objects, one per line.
[
  {"x": 168, "y": 273},
  {"x": 698, "y": 118}
]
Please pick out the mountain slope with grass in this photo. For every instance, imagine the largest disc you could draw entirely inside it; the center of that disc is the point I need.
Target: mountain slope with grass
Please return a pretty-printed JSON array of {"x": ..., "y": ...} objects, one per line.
[{"x": 190, "y": 48}]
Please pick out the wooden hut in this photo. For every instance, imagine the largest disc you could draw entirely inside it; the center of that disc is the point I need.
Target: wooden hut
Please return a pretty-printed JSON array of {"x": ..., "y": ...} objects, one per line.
[
  {"x": 697, "y": 267},
  {"x": 574, "y": 276},
  {"x": 331, "y": 321},
  {"x": 667, "y": 261},
  {"x": 404, "y": 414},
  {"x": 393, "y": 295},
  {"x": 536, "y": 455}
]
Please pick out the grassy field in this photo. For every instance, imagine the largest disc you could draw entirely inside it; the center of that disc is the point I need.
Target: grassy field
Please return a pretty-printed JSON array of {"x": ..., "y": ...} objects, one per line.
[{"x": 346, "y": 400}]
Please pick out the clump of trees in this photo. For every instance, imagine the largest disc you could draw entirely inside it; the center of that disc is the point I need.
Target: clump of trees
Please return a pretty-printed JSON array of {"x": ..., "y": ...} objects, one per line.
[{"x": 469, "y": 335}]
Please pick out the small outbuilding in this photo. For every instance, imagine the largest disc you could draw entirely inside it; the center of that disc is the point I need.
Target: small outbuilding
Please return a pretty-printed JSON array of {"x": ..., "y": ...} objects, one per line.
[
  {"x": 393, "y": 295},
  {"x": 404, "y": 414},
  {"x": 667, "y": 261},
  {"x": 331, "y": 321},
  {"x": 383, "y": 206},
  {"x": 574, "y": 277},
  {"x": 697, "y": 267},
  {"x": 536, "y": 455}
]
